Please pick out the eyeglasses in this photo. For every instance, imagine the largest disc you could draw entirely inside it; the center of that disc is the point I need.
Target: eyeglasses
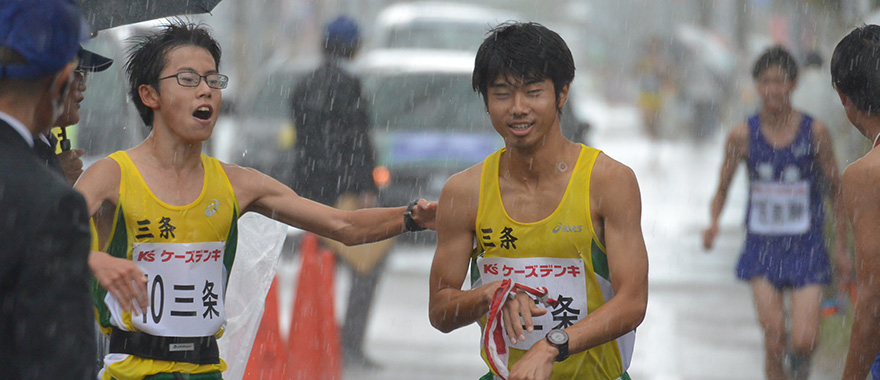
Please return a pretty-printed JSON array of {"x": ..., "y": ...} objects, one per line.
[
  {"x": 80, "y": 77},
  {"x": 190, "y": 79}
]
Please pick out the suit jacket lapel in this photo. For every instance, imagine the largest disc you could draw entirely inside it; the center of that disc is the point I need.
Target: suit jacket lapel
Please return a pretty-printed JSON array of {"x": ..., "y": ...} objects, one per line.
[{"x": 11, "y": 137}]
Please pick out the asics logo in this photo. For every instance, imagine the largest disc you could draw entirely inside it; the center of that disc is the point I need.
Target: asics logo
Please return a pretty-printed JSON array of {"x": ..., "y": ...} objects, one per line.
[
  {"x": 566, "y": 228},
  {"x": 212, "y": 207}
]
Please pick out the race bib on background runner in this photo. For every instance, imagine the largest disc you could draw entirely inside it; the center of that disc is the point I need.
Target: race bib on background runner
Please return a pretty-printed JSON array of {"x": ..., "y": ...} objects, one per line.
[
  {"x": 780, "y": 208},
  {"x": 563, "y": 278}
]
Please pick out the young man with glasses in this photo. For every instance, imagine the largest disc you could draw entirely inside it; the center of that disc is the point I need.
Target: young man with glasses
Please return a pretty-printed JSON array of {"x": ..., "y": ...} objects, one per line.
[{"x": 166, "y": 216}]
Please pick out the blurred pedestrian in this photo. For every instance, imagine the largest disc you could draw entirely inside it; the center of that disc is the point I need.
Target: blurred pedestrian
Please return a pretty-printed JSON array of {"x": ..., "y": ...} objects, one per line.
[
  {"x": 789, "y": 157},
  {"x": 701, "y": 89},
  {"x": 167, "y": 215},
  {"x": 652, "y": 73},
  {"x": 46, "y": 328},
  {"x": 541, "y": 213},
  {"x": 857, "y": 81},
  {"x": 62, "y": 159},
  {"x": 334, "y": 158}
]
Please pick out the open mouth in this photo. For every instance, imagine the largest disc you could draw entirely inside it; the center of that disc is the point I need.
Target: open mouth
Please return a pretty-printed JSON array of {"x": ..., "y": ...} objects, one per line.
[
  {"x": 203, "y": 113},
  {"x": 520, "y": 126}
]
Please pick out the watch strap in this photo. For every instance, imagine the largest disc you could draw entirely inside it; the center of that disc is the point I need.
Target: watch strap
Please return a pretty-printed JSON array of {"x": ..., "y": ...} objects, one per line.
[
  {"x": 408, "y": 221},
  {"x": 561, "y": 347}
]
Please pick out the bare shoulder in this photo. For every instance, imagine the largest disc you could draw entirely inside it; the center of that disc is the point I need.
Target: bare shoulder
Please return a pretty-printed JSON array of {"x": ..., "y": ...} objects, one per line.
[
  {"x": 465, "y": 178},
  {"x": 609, "y": 173},
  {"x": 103, "y": 172},
  {"x": 614, "y": 196},
  {"x": 820, "y": 131},
  {"x": 863, "y": 174},
  {"x": 860, "y": 182},
  {"x": 239, "y": 174},
  {"x": 739, "y": 134},
  {"x": 250, "y": 185},
  {"x": 99, "y": 183},
  {"x": 462, "y": 188},
  {"x": 249, "y": 179},
  {"x": 459, "y": 201},
  {"x": 105, "y": 166}
]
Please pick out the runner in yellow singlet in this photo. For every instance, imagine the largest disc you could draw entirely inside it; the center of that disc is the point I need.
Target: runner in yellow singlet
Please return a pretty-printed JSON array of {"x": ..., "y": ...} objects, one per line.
[
  {"x": 165, "y": 216},
  {"x": 544, "y": 212}
]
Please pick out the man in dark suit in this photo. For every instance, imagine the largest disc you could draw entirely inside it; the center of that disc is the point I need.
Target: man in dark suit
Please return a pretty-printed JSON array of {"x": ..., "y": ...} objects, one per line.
[{"x": 46, "y": 325}]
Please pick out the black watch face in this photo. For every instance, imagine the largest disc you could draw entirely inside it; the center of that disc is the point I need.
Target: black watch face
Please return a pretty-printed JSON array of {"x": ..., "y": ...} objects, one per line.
[{"x": 557, "y": 337}]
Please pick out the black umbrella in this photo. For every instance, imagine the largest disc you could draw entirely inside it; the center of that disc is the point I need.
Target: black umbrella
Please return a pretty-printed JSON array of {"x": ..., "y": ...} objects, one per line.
[{"x": 105, "y": 14}]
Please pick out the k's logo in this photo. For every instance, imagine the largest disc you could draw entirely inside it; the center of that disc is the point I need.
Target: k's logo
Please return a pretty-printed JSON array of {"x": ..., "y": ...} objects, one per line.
[{"x": 212, "y": 207}]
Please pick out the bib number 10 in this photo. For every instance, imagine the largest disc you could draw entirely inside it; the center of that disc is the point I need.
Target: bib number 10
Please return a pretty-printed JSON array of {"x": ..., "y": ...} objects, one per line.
[{"x": 157, "y": 290}]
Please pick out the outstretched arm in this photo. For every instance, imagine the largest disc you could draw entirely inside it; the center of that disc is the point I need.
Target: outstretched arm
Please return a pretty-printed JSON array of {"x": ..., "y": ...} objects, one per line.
[
  {"x": 735, "y": 150},
  {"x": 260, "y": 193}
]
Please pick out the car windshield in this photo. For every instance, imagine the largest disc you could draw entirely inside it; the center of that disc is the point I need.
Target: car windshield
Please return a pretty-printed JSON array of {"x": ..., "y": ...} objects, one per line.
[
  {"x": 273, "y": 98},
  {"x": 439, "y": 35},
  {"x": 426, "y": 102}
]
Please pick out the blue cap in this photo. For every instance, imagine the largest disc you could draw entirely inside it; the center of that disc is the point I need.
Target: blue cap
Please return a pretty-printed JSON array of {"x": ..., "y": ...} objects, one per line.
[
  {"x": 46, "y": 33},
  {"x": 342, "y": 30}
]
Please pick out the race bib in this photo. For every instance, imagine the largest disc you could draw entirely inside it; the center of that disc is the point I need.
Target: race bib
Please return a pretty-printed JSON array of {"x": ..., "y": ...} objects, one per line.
[
  {"x": 780, "y": 208},
  {"x": 564, "y": 280},
  {"x": 186, "y": 288}
]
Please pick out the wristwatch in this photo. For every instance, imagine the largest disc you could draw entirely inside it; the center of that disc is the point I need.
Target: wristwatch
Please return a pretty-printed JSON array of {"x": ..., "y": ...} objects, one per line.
[
  {"x": 408, "y": 221},
  {"x": 559, "y": 339}
]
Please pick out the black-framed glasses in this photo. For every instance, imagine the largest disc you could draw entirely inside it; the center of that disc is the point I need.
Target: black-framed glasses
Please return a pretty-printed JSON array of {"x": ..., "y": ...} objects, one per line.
[
  {"x": 191, "y": 79},
  {"x": 81, "y": 75}
]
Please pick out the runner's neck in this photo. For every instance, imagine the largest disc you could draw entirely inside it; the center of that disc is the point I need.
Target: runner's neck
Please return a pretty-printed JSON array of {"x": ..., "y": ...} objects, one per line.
[
  {"x": 535, "y": 165},
  {"x": 778, "y": 120}
]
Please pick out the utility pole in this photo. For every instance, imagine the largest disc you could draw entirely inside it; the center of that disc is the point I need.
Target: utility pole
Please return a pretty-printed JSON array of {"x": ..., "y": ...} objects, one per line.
[{"x": 742, "y": 26}]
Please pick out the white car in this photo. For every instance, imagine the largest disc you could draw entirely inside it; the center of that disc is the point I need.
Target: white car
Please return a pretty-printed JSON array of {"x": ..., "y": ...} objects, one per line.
[
  {"x": 427, "y": 122},
  {"x": 435, "y": 25}
]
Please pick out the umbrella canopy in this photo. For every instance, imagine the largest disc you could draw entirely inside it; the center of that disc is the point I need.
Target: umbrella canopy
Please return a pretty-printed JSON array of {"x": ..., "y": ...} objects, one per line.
[{"x": 105, "y": 14}]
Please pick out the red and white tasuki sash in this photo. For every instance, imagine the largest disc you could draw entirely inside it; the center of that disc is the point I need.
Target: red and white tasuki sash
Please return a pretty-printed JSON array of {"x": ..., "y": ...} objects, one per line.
[{"x": 493, "y": 334}]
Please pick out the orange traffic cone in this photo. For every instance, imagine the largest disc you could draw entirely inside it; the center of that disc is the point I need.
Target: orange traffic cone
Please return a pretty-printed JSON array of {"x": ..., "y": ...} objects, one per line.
[
  {"x": 313, "y": 343},
  {"x": 269, "y": 353}
]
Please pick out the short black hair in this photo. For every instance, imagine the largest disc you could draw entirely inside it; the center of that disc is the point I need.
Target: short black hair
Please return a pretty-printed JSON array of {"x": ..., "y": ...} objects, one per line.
[
  {"x": 149, "y": 56},
  {"x": 522, "y": 50},
  {"x": 855, "y": 67},
  {"x": 778, "y": 56}
]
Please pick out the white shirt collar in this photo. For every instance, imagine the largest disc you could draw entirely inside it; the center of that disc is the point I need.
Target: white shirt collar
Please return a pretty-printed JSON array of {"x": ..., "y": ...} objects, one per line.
[
  {"x": 45, "y": 139},
  {"x": 18, "y": 127}
]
